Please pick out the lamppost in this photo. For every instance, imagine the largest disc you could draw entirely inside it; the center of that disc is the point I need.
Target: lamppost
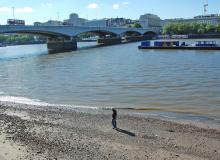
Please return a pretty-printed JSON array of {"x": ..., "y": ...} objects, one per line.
[{"x": 13, "y": 11}]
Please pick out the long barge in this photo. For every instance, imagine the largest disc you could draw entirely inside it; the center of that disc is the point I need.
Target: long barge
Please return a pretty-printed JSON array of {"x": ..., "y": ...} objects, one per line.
[
  {"x": 175, "y": 45},
  {"x": 181, "y": 47}
]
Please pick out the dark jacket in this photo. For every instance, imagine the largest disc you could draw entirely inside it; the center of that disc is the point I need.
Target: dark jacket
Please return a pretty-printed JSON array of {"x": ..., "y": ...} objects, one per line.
[{"x": 114, "y": 114}]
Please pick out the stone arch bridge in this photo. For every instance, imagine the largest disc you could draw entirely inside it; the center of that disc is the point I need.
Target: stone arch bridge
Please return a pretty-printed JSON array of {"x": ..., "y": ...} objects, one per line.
[{"x": 64, "y": 37}]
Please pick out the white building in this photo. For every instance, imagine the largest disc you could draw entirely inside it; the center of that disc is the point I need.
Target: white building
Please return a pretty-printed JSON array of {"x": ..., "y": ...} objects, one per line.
[
  {"x": 113, "y": 22},
  {"x": 150, "y": 20},
  {"x": 213, "y": 19},
  {"x": 96, "y": 23},
  {"x": 119, "y": 22},
  {"x": 74, "y": 20}
]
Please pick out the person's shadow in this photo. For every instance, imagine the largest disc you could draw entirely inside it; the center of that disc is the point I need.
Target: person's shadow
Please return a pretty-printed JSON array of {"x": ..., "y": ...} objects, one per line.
[{"x": 125, "y": 132}]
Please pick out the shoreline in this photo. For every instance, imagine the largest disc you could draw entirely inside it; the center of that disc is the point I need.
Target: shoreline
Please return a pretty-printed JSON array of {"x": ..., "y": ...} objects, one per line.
[
  {"x": 41, "y": 132},
  {"x": 180, "y": 115}
]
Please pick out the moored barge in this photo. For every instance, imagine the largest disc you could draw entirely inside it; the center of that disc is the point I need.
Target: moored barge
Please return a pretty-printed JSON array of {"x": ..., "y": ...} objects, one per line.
[{"x": 200, "y": 45}]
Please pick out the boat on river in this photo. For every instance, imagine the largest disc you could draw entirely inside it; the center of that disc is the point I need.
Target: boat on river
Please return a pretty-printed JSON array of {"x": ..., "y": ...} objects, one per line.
[
  {"x": 199, "y": 45},
  {"x": 2, "y": 45}
]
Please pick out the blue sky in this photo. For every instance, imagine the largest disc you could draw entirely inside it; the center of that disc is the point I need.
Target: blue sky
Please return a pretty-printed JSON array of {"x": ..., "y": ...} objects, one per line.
[{"x": 43, "y": 10}]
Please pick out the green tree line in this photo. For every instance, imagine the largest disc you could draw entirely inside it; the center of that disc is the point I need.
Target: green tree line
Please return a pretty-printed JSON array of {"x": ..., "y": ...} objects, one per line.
[
  {"x": 16, "y": 38},
  {"x": 135, "y": 25},
  {"x": 190, "y": 28}
]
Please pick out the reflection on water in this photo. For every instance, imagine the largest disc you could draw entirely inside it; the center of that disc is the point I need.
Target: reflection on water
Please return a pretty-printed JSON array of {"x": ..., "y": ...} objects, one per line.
[
  {"x": 22, "y": 51},
  {"x": 119, "y": 76}
]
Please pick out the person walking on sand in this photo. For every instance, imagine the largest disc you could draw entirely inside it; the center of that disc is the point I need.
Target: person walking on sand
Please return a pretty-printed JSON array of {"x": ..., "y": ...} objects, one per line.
[{"x": 114, "y": 117}]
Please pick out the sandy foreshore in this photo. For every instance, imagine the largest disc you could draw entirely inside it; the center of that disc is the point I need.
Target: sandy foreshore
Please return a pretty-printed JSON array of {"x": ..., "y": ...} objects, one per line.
[{"x": 28, "y": 132}]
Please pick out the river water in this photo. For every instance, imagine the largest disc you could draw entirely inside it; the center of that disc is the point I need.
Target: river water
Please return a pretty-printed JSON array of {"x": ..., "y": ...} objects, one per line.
[{"x": 115, "y": 76}]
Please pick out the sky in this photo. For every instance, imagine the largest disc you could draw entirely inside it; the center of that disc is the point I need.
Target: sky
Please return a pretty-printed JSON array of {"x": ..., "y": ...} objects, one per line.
[{"x": 43, "y": 10}]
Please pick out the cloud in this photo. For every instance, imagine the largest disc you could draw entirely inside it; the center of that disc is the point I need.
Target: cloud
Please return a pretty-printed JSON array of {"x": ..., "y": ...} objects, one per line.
[
  {"x": 46, "y": 4},
  {"x": 24, "y": 10},
  {"x": 93, "y": 6},
  {"x": 116, "y": 6},
  {"x": 5, "y": 9},
  {"x": 17, "y": 10},
  {"x": 125, "y": 3}
]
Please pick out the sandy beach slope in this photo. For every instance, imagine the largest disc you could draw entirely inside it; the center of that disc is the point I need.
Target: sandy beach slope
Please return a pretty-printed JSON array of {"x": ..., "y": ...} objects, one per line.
[{"x": 28, "y": 132}]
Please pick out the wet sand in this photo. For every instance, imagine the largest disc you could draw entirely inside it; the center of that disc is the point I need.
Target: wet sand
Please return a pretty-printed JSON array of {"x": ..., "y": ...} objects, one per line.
[{"x": 34, "y": 132}]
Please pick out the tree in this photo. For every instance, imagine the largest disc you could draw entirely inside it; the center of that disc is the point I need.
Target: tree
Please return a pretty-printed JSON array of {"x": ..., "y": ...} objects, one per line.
[
  {"x": 194, "y": 28},
  {"x": 167, "y": 29},
  {"x": 218, "y": 28},
  {"x": 3, "y": 38},
  {"x": 16, "y": 38},
  {"x": 183, "y": 28},
  {"x": 190, "y": 28},
  {"x": 210, "y": 28},
  {"x": 136, "y": 25},
  {"x": 171, "y": 28}
]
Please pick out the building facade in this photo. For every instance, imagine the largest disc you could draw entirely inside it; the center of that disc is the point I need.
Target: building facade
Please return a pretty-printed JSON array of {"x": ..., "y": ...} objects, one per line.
[
  {"x": 74, "y": 20},
  {"x": 96, "y": 23},
  {"x": 119, "y": 22},
  {"x": 213, "y": 19},
  {"x": 112, "y": 22},
  {"x": 150, "y": 20}
]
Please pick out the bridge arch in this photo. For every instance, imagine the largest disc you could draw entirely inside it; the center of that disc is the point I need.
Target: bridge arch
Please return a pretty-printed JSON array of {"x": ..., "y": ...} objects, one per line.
[
  {"x": 131, "y": 33},
  {"x": 150, "y": 34},
  {"x": 38, "y": 32},
  {"x": 100, "y": 33}
]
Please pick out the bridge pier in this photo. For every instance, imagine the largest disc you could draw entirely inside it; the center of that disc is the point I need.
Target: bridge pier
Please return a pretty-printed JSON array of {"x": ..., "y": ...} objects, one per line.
[
  {"x": 61, "y": 44},
  {"x": 134, "y": 38},
  {"x": 109, "y": 41},
  {"x": 137, "y": 38}
]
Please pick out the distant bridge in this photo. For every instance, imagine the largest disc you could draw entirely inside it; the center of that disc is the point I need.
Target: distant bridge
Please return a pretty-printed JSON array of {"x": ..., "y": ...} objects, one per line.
[
  {"x": 68, "y": 33},
  {"x": 72, "y": 31}
]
